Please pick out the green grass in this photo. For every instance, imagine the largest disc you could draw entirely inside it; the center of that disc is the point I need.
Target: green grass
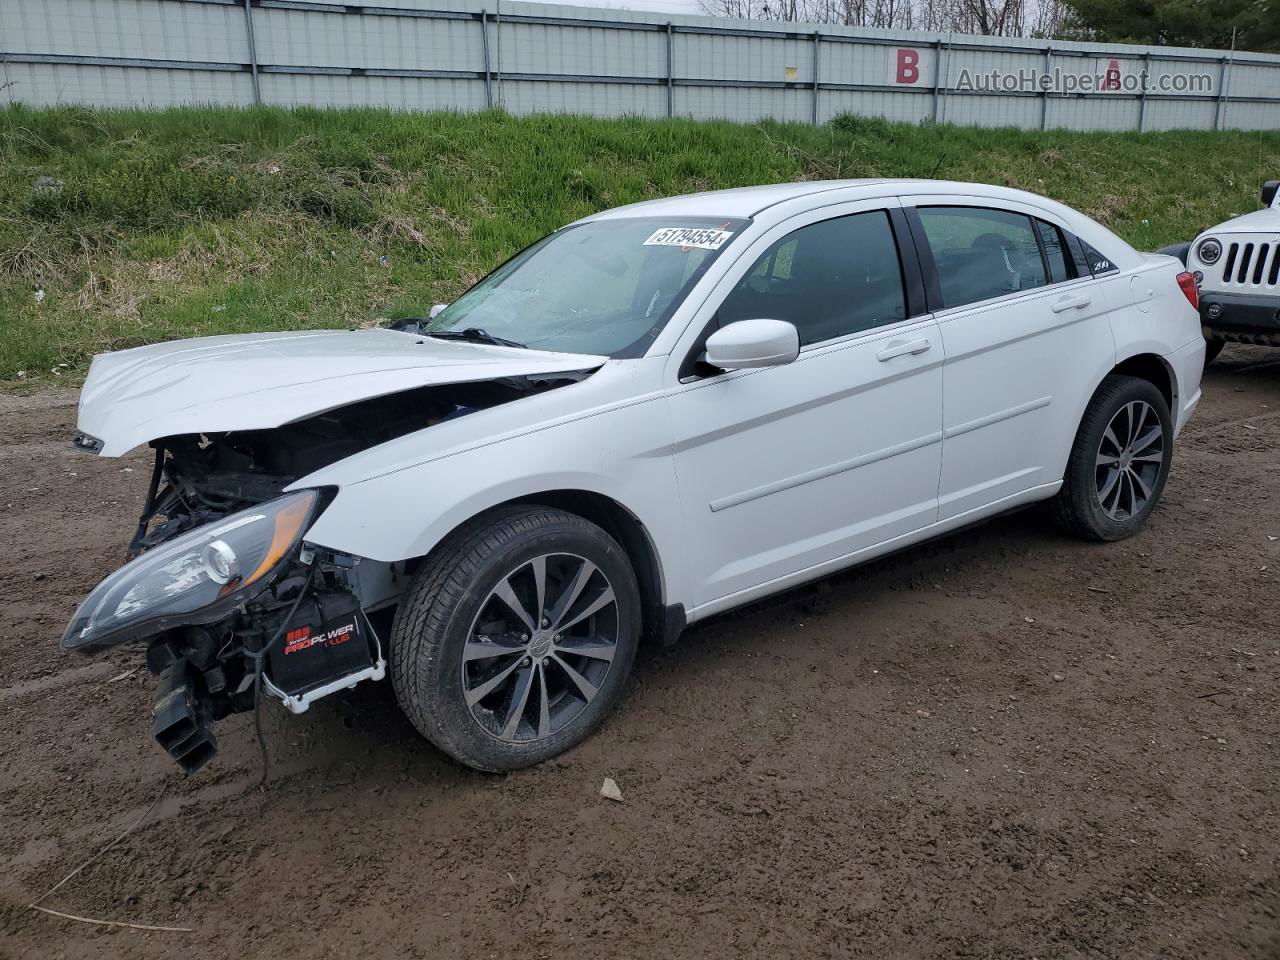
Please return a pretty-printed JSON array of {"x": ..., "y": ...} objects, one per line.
[{"x": 196, "y": 221}]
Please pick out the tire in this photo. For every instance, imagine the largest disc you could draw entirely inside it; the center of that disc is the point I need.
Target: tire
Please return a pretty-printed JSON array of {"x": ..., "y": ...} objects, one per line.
[
  {"x": 1114, "y": 480},
  {"x": 462, "y": 657},
  {"x": 1211, "y": 350}
]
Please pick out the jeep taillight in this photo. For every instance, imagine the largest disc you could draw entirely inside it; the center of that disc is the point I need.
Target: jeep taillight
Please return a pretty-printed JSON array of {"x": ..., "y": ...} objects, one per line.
[{"x": 1189, "y": 289}]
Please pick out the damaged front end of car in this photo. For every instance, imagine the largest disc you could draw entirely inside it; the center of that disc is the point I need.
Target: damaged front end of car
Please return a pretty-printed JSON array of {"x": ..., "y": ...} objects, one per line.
[
  {"x": 221, "y": 585},
  {"x": 232, "y": 609}
]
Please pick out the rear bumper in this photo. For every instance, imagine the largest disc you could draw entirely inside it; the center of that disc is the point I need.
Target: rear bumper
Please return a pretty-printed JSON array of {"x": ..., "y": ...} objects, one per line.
[
  {"x": 1240, "y": 316},
  {"x": 1188, "y": 365}
]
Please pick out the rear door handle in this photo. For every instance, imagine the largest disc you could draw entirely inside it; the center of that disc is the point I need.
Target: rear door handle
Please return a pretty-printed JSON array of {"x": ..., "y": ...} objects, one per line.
[
  {"x": 1069, "y": 303},
  {"x": 901, "y": 348}
]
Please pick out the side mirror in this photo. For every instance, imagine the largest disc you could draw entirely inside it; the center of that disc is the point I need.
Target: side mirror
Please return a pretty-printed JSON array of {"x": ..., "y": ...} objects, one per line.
[
  {"x": 747, "y": 344},
  {"x": 1269, "y": 192},
  {"x": 436, "y": 310}
]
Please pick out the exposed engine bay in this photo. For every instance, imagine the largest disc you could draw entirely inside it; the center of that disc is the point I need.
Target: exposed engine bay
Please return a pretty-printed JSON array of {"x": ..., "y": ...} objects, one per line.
[
  {"x": 199, "y": 478},
  {"x": 308, "y": 629}
]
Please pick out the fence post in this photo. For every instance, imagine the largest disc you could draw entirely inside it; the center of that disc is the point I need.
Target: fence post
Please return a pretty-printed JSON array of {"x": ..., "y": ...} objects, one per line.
[
  {"x": 497, "y": 36},
  {"x": 1044, "y": 90},
  {"x": 1224, "y": 75},
  {"x": 253, "y": 51},
  {"x": 488, "y": 73},
  {"x": 671, "y": 78},
  {"x": 937, "y": 76},
  {"x": 940, "y": 83},
  {"x": 817, "y": 47},
  {"x": 1142, "y": 93}
]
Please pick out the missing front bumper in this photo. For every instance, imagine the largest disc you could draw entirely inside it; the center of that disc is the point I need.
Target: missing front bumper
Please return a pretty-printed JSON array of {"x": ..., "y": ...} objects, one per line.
[{"x": 326, "y": 645}]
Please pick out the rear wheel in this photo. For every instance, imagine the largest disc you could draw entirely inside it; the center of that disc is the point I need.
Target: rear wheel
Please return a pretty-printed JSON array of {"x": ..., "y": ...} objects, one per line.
[
  {"x": 516, "y": 637},
  {"x": 1119, "y": 462}
]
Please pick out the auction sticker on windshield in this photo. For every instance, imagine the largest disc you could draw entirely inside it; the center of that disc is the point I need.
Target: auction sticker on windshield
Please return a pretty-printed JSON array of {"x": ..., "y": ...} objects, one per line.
[{"x": 694, "y": 237}]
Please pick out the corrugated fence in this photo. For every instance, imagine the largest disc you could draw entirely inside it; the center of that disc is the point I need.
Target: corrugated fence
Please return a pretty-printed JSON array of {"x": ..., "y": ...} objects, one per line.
[{"x": 527, "y": 58}]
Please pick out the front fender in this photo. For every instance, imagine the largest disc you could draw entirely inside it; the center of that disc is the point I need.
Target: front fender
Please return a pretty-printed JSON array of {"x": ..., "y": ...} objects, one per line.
[{"x": 624, "y": 455}]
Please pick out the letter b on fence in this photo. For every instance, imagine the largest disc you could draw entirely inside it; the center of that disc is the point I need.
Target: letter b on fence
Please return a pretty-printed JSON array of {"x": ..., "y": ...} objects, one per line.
[{"x": 908, "y": 65}]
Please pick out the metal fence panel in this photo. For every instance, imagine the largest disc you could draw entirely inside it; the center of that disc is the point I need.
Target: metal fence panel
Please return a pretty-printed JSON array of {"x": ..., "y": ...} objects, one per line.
[
  {"x": 124, "y": 28},
  {"x": 989, "y": 111},
  {"x": 529, "y": 58},
  {"x": 904, "y": 107},
  {"x": 1179, "y": 115},
  {"x": 604, "y": 99}
]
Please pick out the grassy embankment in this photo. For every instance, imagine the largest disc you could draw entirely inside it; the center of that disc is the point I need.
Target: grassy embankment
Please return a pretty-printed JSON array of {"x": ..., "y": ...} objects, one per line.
[{"x": 142, "y": 226}]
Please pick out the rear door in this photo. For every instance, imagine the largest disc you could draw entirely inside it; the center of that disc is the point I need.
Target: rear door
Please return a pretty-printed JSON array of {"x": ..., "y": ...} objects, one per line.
[
  {"x": 1025, "y": 335},
  {"x": 786, "y": 469}
]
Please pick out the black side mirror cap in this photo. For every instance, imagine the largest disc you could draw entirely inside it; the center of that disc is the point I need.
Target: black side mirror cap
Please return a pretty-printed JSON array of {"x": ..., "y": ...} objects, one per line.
[{"x": 1269, "y": 192}]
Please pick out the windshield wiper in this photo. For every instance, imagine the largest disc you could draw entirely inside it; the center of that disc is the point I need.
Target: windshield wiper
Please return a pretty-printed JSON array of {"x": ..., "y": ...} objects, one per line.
[{"x": 474, "y": 335}]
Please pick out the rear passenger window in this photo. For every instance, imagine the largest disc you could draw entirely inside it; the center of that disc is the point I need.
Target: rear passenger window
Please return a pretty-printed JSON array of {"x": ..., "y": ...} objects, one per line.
[
  {"x": 981, "y": 253},
  {"x": 830, "y": 279},
  {"x": 1055, "y": 252}
]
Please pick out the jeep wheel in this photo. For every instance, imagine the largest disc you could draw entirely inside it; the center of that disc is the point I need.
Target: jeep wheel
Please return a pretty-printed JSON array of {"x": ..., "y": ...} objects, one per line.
[
  {"x": 516, "y": 637},
  {"x": 1119, "y": 462},
  {"x": 1211, "y": 350}
]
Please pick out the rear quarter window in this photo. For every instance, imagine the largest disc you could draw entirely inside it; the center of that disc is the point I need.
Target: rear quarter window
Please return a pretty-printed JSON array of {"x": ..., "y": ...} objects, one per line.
[{"x": 1097, "y": 261}]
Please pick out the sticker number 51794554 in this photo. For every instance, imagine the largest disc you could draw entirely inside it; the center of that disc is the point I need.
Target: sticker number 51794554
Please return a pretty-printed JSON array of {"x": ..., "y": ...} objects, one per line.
[{"x": 695, "y": 237}]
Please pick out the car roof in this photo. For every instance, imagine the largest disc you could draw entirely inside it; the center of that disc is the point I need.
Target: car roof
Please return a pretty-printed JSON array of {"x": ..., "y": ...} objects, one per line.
[
  {"x": 781, "y": 200},
  {"x": 750, "y": 201}
]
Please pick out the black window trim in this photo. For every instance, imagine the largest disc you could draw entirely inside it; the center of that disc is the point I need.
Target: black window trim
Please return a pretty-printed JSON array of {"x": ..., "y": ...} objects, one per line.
[
  {"x": 1077, "y": 254},
  {"x": 913, "y": 287},
  {"x": 1044, "y": 256},
  {"x": 1068, "y": 254},
  {"x": 929, "y": 267}
]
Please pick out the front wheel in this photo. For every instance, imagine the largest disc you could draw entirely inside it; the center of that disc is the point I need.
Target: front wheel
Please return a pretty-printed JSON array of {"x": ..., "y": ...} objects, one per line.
[
  {"x": 1119, "y": 462},
  {"x": 516, "y": 637}
]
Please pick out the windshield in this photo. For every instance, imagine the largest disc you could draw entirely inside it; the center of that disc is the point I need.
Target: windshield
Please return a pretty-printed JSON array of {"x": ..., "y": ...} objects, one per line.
[{"x": 606, "y": 287}]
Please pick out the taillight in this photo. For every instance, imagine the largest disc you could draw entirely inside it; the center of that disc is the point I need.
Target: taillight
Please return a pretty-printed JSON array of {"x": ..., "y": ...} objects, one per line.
[{"x": 1189, "y": 289}]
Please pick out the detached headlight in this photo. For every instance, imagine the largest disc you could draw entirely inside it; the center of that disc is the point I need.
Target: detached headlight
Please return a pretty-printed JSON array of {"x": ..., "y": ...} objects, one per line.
[
  {"x": 195, "y": 578},
  {"x": 1209, "y": 251}
]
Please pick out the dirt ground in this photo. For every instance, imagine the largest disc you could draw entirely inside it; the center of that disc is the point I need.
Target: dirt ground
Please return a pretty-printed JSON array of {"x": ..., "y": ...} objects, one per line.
[{"x": 1004, "y": 744}]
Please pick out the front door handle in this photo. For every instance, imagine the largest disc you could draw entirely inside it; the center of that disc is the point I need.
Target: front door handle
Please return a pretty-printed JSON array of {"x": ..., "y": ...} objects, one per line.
[
  {"x": 1070, "y": 303},
  {"x": 901, "y": 348}
]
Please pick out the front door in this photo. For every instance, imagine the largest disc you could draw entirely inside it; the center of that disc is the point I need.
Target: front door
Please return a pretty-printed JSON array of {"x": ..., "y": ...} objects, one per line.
[{"x": 786, "y": 469}]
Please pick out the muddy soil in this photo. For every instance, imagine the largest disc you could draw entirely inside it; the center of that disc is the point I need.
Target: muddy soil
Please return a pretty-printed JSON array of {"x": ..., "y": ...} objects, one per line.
[{"x": 1004, "y": 744}]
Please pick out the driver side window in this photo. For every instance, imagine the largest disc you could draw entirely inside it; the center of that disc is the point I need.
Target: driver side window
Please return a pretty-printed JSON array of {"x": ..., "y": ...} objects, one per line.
[{"x": 829, "y": 279}]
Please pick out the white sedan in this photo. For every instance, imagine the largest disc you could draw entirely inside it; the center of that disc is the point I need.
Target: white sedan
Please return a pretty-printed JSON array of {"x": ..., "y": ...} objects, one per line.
[{"x": 652, "y": 415}]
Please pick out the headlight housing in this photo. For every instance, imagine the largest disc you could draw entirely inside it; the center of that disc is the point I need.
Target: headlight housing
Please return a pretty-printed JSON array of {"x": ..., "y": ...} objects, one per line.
[
  {"x": 195, "y": 578},
  {"x": 1209, "y": 251}
]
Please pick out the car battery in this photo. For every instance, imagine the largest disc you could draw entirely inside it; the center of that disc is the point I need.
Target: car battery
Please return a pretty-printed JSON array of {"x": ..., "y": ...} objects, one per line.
[{"x": 323, "y": 641}]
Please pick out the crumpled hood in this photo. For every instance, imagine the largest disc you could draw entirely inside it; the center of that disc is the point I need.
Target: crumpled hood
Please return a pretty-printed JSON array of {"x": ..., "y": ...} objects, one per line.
[{"x": 261, "y": 380}]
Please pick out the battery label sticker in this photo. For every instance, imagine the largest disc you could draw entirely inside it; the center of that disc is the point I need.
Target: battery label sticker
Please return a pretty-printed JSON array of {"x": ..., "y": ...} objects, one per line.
[{"x": 695, "y": 238}]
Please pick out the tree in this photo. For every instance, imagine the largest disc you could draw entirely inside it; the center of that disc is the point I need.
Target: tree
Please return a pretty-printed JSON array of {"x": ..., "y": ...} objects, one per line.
[
  {"x": 999, "y": 18},
  {"x": 1178, "y": 23}
]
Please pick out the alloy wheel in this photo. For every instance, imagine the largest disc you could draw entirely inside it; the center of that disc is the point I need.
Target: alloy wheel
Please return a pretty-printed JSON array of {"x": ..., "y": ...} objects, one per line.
[
  {"x": 1129, "y": 460},
  {"x": 540, "y": 647}
]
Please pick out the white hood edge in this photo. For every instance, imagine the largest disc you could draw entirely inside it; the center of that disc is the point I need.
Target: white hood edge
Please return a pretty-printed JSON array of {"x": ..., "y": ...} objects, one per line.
[
  {"x": 1260, "y": 221},
  {"x": 264, "y": 380}
]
